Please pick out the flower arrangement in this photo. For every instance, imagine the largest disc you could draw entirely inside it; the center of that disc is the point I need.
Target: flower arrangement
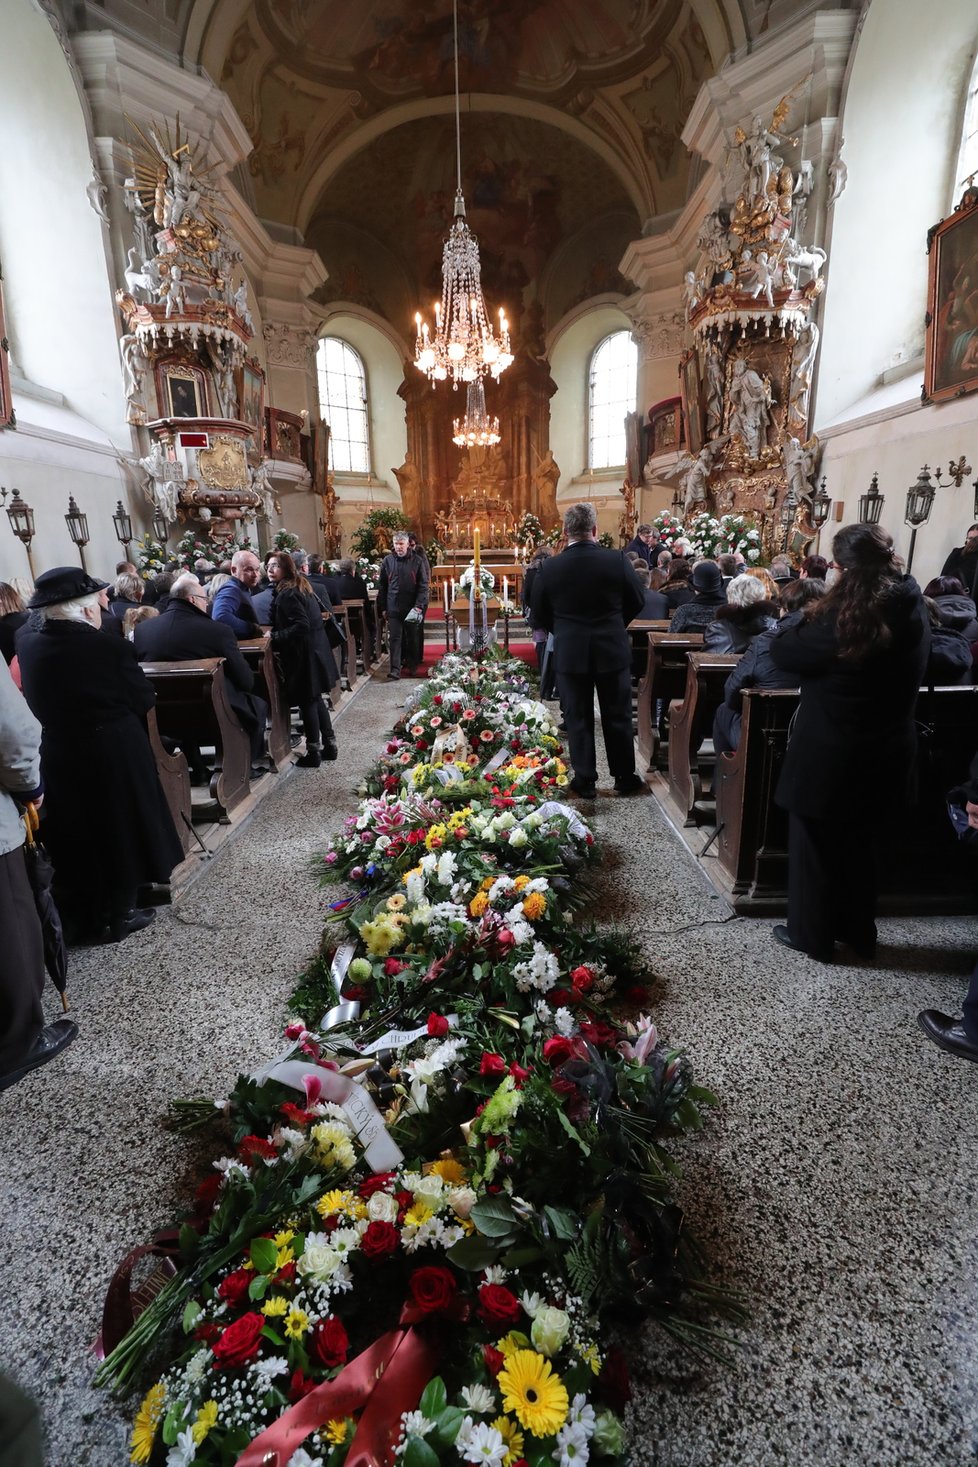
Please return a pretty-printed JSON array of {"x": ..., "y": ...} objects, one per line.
[
  {"x": 529, "y": 532},
  {"x": 607, "y": 540},
  {"x": 457, "y": 1180},
  {"x": 190, "y": 548},
  {"x": 285, "y": 540},
  {"x": 373, "y": 538},
  {"x": 151, "y": 556},
  {"x": 486, "y": 578},
  {"x": 669, "y": 528},
  {"x": 711, "y": 536}
]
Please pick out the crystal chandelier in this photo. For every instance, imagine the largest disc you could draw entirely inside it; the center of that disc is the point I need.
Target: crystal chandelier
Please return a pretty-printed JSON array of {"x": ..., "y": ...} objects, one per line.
[
  {"x": 464, "y": 346},
  {"x": 476, "y": 429}
]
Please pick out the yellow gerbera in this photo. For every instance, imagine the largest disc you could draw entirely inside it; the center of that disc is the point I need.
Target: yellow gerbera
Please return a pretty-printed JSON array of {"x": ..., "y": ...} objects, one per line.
[
  {"x": 534, "y": 905},
  {"x": 146, "y": 1424},
  {"x": 448, "y": 1169},
  {"x": 512, "y": 1436},
  {"x": 206, "y": 1418},
  {"x": 275, "y": 1308},
  {"x": 396, "y": 902},
  {"x": 478, "y": 904},
  {"x": 296, "y": 1323},
  {"x": 536, "y": 1396}
]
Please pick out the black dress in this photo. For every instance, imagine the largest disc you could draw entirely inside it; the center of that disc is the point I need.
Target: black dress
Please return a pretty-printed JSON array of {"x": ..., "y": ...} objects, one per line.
[
  {"x": 106, "y": 821},
  {"x": 304, "y": 659}
]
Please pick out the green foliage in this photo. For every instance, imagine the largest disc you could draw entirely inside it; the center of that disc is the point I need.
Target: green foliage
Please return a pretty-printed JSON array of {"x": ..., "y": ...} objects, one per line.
[
  {"x": 285, "y": 540},
  {"x": 370, "y": 540},
  {"x": 607, "y": 540}
]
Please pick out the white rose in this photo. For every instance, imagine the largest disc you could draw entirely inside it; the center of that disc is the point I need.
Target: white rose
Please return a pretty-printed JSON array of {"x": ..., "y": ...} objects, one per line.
[
  {"x": 519, "y": 838},
  {"x": 461, "y": 1200},
  {"x": 382, "y": 1207},
  {"x": 549, "y": 1329},
  {"x": 505, "y": 821},
  {"x": 318, "y": 1260},
  {"x": 430, "y": 1190}
]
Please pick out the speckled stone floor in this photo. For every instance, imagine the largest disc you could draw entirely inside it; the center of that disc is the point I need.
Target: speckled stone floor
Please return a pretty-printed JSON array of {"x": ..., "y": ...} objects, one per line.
[{"x": 835, "y": 1182}]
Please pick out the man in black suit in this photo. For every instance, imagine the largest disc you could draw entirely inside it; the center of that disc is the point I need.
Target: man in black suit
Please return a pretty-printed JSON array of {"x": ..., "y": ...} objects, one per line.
[
  {"x": 185, "y": 633},
  {"x": 587, "y": 596},
  {"x": 324, "y": 586}
]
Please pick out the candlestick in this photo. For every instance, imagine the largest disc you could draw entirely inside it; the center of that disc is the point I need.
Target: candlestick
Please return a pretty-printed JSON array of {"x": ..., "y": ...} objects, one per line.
[
  {"x": 476, "y": 582},
  {"x": 445, "y": 589}
]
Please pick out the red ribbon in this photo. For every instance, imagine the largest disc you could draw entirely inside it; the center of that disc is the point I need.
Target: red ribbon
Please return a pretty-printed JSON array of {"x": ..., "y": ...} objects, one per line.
[{"x": 403, "y": 1359}]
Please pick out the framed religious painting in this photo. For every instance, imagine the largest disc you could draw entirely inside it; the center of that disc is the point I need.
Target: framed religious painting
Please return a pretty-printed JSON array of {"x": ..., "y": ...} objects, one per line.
[
  {"x": 180, "y": 390},
  {"x": 251, "y": 399},
  {"x": 689, "y": 381},
  {"x": 951, "y": 349},
  {"x": 664, "y": 433}
]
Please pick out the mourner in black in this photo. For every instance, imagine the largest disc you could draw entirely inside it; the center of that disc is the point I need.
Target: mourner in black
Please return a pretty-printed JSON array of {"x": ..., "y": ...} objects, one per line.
[
  {"x": 402, "y": 594},
  {"x": 587, "y": 596},
  {"x": 106, "y": 821},
  {"x": 302, "y": 653},
  {"x": 859, "y": 655},
  {"x": 185, "y": 633},
  {"x": 962, "y": 563}
]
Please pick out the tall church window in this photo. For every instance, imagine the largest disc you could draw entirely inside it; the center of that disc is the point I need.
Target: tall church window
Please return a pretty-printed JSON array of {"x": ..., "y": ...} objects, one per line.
[
  {"x": 611, "y": 396},
  {"x": 343, "y": 404},
  {"x": 968, "y": 157}
]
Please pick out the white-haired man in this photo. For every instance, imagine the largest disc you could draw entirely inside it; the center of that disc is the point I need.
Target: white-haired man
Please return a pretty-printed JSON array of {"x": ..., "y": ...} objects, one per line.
[{"x": 587, "y": 596}]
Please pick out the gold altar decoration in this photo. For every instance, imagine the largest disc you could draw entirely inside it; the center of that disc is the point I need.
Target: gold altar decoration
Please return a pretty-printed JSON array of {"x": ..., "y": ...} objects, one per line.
[
  {"x": 468, "y": 515},
  {"x": 223, "y": 464}
]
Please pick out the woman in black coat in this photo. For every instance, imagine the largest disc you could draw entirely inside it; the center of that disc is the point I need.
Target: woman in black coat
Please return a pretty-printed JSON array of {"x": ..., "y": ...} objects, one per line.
[
  {"x": 13, "y": 615},
  {"x": 106, "y": 821},
  {"x": 303, "y": 656},
  {"x": 859, "y": 655}
]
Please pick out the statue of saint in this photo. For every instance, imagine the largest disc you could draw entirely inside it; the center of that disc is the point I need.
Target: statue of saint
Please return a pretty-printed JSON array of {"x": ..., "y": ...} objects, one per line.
[
  {"x": 750, "y": 407},
  {"x": 409, "y": 482},
  {"x": 546, "y": 475}
]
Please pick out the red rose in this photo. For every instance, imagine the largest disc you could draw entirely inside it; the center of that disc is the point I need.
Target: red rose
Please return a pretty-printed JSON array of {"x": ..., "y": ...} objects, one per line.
[
  {"x": 557, "y": 1051},
  {"x": 582, "y": 979},
  {"x": 234, "y": 1289},
  {"x": 393, "y": 966},
  {"x": 329, "y": 1343},
  {"x": 519, "y": 1074},
  {"x": 377, "y": 1183},
  {"x": 498, "y": 1308},
  {"x": 379, "y": 1240},
  {"x": 206, "y": 1194},
  {"x": 240, "y": 1342},
  {"x": 437, "y": 1025},
  {"x": 492, "y": 1064},
  {"x": 286, "y": 1274},
  {"x": 494, "y": 1359},
  {"x": 437, "y": 700},
  {"x": 206, "y": 1334},
  {"x": 602, "y": 1036},
  {"x": 433, "y": 1289}
]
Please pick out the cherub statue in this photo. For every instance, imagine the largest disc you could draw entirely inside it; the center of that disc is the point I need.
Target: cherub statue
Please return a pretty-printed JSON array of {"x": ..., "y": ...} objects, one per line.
[
  {"x": 261, "y": 483},
  {"x": 757, "y": 275}
]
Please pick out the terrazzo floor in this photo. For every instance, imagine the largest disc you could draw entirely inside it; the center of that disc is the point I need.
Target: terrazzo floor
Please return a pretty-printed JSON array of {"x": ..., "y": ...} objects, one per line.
[{"x": 834, "y": 1183}]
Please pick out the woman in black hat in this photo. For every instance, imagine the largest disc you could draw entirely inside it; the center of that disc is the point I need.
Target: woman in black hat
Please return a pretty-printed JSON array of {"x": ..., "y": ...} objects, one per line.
[{"x": 91, "y": 698}]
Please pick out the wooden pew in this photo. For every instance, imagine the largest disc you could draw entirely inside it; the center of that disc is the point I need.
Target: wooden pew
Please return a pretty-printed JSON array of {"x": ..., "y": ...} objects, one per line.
[
  {"x": 192, "y": 706},
  {"x": 174, "y": 776},
  {"x": 638, "y": 631},
  {"x": 359, "y": 623},
  {"x": 664, "y": 678},
  {"x": 690, "y": 723},
  {"x": 260, "y": 658},
  {"x": 923, "y": 869}
]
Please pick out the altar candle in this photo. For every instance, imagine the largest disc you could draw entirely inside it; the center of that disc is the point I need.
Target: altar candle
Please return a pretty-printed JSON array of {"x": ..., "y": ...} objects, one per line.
[
  {"x": 505, "y": 588},
  {"x": 445, "y": 588},
  {"x": 475, "y": 548}
]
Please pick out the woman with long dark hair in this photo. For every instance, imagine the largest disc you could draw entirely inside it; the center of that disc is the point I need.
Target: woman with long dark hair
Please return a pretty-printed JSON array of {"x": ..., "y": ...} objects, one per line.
[
  {"x": 302, "y": 652},
  {"x": 859, "y": 655}
]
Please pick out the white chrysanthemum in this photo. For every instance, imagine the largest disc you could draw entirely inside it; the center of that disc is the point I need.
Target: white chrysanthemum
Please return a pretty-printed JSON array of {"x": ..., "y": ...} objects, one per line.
[
  {"x": 564, "y": 1023},
  {"x": 531, "y": 1303},
  {"x": 183, "y": 1451},
  {"x": 416, "y": 1423},
  {"x": 495, "y": 1274},
  {"x": 301, "y": 1458},
  {"x": 270, "y": 1369},
  {"x": 478, "y": 1398},
  {"x": 481, "y": 1444},
  {"x": 581, "y": 1414},
  {"x": 572, "y": 1448}
]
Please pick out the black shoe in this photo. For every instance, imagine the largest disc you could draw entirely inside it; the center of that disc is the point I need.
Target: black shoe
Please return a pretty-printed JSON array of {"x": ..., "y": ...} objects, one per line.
[
  {"x": 311, "y": 759},
  {"x": 52, "y": 1039},
  {"x": 865, "y": 949},
  {"x": 780, "y": 934},
  {"x": 561, "y": 727},
  {"x": 134, "y": 921},
  {"x": 948, "y": 1033},
  {"x": 257, "y": 771},
  {"x": 331, "y": 749},
  {"x": 587, "y": 789},
  {"x": 631, "y": 784},
  {"x": 393, "y": 677}
]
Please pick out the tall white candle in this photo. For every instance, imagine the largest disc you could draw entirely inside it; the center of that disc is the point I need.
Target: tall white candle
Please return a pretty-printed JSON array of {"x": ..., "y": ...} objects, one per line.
[
  {"x": 445, "y": 589},
  {"x": 505, "y": 588}
]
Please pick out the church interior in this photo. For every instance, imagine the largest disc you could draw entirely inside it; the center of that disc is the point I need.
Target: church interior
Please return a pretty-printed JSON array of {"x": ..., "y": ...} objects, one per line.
[{"x": 222, "y": 227}]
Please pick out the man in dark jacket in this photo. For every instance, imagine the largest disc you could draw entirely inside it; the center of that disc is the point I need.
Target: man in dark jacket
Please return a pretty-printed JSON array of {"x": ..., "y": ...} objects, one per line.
[
  {"x": 403, "y": 590},
  {"x": 185, "y": 633},
  {"x": 962, "y": 563},
  {"x": 708, "y": 595},
  {"x": 644, "y": 544},
  {"x": 232, "y": 603},
  {"x": 324, "y": 587},
  {"x": 587, "y": 596}
]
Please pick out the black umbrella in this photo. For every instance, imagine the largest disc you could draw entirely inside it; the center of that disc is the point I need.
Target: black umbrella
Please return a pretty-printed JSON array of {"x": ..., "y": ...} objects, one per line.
[{"x": 40, "y": 874}]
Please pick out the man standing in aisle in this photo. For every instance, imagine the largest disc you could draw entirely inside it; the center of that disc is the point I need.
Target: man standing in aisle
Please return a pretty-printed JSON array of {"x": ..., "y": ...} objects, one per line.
[
  {"x": 587, "y": 596},
  {"x": 401, "y": 592}
]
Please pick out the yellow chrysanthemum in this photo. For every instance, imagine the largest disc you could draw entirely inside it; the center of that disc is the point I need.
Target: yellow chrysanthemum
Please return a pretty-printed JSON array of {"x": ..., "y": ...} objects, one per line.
[
  {"x": 417, "y": 1214},
  {"x": 478, "y": 904},
  {"x": 282, "y": 1257},
  {"x": 520, "y": 883},
  {"x": 396, "y": 902},
  {"x": 146, "y": 1424},
  {"x": 512, "y": 1342},
  {"x": 333, "y": 1202},
  {"x": 414, "y": 871},
  {"x": 275, "y": 1307},
  {"x": 206, "y": 1418},
  {"x": 534, "y": 905},
  {"x": 589, "y": 1354},
  {"x": 534, "y": 1393},
  {"x": 283, "y": 1239},
  {"x": 487, "y": 883},
  {"x": 459, "y": 818},
  {"x": 296, "y": 1323},
  {"x": 449, "y": 1170},
  {"x": 512, "y": 1436},
  {"x": 336, "y": 1431}
]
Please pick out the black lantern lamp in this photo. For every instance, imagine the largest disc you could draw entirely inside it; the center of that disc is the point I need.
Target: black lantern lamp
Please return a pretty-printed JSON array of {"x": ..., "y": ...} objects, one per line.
[
  {"x": 871, "y": 503},
  {"x": 123, "y": 525},
  {"x": 21, "y": 518},
  {"x": 160, "y": 526},
  {"x": 920, "y": 502},
  {"x": 77, "y": 528},
  {"x": 821, "y": 504}
]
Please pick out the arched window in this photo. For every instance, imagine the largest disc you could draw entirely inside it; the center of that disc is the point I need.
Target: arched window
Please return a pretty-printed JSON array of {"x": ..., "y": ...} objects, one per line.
[
  {"x": 611, "y": 396},
  {"x": 343, "y": 404},
  {"x": 968, "y": 157}
]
